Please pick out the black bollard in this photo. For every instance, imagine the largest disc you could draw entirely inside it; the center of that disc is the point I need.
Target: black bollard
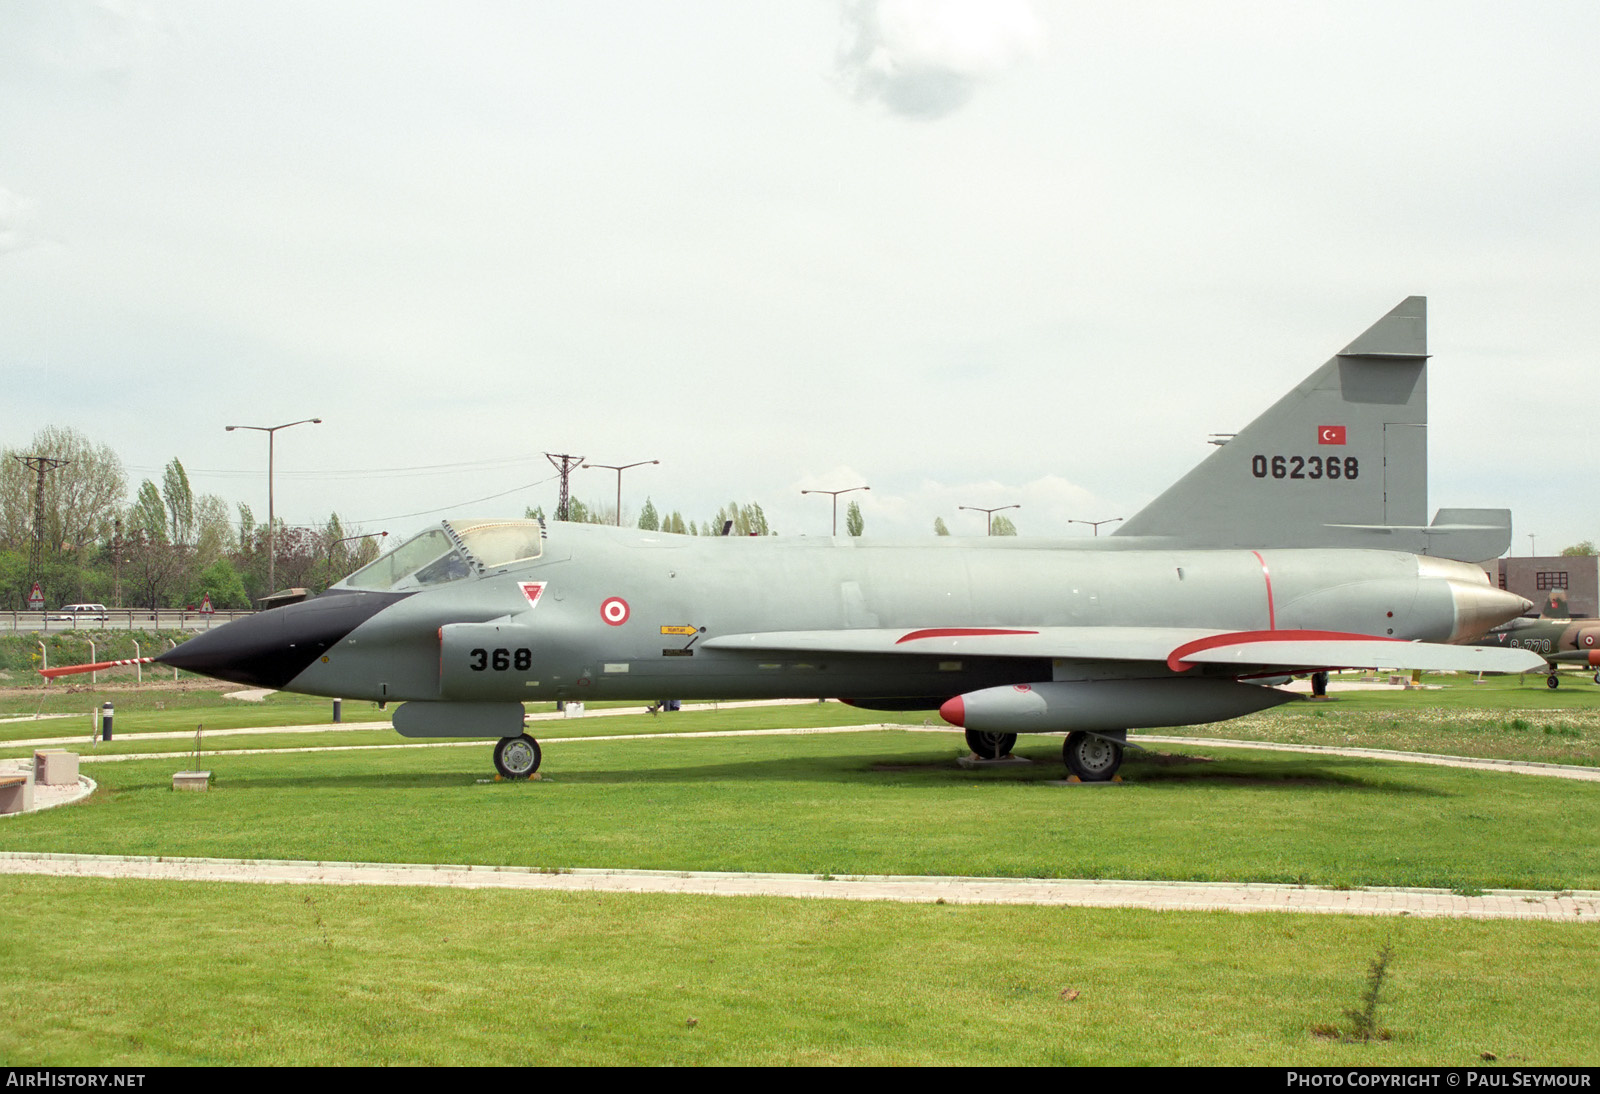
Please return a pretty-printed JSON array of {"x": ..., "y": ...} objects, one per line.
[
  {"x": 105, "y": 722},
  {"x": 337, "y": 710}
]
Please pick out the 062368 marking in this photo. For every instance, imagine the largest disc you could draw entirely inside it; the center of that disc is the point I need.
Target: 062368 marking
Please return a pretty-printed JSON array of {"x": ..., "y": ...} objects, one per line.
[{"x": 1311, "y": 468}]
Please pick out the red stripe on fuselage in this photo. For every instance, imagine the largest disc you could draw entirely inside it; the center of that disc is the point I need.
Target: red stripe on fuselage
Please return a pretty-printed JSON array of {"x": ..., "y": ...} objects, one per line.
[
  {"x": 954, "y": 632},
  {"x": 1266, "y": 574},
  {"x": 1176, "y": 662}
]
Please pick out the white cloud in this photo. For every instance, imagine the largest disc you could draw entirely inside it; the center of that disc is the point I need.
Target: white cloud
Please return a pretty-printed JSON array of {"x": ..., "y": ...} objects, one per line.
[
  {"x": 925, "y": 58},
  {"x": 107, "y": 39},
  {"x": 16, "y": 221}
]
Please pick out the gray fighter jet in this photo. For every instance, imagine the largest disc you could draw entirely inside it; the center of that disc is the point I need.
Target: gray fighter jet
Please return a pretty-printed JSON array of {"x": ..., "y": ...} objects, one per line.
[{"x": 1300, "y": 544}]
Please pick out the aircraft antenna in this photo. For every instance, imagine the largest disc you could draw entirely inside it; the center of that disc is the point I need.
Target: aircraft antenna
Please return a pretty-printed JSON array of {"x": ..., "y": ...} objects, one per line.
[{"x": 565, "y": 465}]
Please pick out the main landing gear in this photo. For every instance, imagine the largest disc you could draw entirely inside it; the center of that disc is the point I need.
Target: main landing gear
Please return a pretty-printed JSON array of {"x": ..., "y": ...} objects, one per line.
[
  {"x": 990, "y": 746},
  {"x": 517, "y": 757},
  {"x": 1552, "y": 681},
  {"x": 1093, "y": 759}
]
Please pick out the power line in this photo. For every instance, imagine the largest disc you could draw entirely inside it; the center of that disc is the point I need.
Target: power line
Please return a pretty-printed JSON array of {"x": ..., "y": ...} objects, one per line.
[
  {"x": 375, "y": 472},
  {"x": 353, "y": 521},
  {"x": 457, "y": 505}
]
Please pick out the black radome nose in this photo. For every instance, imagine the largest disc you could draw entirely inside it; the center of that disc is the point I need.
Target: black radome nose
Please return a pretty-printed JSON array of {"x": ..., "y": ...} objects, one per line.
[{"x": 270, "y": 649}]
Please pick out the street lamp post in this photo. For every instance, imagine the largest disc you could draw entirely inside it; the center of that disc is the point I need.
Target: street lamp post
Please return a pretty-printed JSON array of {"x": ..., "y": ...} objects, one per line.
[
  {"x": 988, "y": 527},
  {"x": 1096, "y": 523},
  {"x": 619, "y": 471},
  {"x": 272, "y": 526},
  {"x": 836, "y": 494}
]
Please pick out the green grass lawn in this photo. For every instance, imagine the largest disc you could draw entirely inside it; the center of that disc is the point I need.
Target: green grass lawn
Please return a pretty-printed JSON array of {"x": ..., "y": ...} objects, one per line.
[
  {"x": 137, "y": 973},
  {"x": 132, "y": 730},
  {"x": 873, "y": 802},
  {"x": 134, "y": 972},
  {"x": 1500, "y": 718}
]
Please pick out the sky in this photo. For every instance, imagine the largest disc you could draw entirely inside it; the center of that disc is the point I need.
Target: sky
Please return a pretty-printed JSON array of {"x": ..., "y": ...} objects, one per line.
[{"x": 966, "y": 253}]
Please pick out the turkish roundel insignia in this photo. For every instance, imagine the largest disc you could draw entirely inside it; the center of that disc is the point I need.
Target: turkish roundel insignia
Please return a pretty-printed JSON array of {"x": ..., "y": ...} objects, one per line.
[{"x": 1330, "y": 434}]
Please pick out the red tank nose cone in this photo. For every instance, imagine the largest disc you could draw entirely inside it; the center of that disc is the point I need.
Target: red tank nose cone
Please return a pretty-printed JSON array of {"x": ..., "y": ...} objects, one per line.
[{"x": 954, "y": 711}]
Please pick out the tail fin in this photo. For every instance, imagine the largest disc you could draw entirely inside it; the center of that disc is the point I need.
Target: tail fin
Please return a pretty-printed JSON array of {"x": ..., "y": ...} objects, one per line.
[{"x": 1340, "y": 461}]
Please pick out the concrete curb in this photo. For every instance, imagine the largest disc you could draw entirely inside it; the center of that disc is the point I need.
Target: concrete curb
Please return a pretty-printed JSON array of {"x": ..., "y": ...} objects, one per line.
[{"x": 1571, "y": 906}]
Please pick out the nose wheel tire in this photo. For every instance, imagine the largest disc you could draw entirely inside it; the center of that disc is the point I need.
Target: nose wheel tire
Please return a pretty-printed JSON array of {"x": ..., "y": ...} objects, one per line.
[
  {"x": 990, "y": 746},
  {"x": 1093, "y": 759},
  {"x": 517, "y": 757}
]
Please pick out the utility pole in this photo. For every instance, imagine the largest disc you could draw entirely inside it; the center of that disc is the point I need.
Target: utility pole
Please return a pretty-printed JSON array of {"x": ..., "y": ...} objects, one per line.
[
  {"x": 116, "y": 563},
  {"x": 40, "y": 464},
  {"x": 272, "y": 523},
  {"x": 1096, "y": 523},
  {"x": 565, "y": 465},
  {"x": 988, "y": 528},
  {"x": 619, "y": 471},
  {"x": 836, "y": 494}
]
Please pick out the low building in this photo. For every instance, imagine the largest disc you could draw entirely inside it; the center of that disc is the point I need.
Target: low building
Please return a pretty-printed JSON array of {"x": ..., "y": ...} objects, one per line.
[{"x": 1573, "y": 578}]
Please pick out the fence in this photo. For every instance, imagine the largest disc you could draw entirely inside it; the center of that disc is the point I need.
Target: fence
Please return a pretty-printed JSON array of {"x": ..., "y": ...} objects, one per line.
[{"x": 117, "y": 619}]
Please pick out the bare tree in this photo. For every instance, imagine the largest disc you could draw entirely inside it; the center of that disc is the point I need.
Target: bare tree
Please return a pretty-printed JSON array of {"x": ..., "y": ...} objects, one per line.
[{"x": 154, "y": 569}]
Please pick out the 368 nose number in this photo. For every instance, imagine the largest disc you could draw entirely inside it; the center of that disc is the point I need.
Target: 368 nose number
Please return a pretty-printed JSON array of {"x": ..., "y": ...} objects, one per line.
[
  {"x": 1305, "y": 467},
  {"x": 500, "y": 660}
]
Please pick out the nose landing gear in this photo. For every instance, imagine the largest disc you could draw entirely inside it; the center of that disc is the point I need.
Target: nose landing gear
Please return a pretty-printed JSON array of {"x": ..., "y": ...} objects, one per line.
[{"x": 517, "y": 757}]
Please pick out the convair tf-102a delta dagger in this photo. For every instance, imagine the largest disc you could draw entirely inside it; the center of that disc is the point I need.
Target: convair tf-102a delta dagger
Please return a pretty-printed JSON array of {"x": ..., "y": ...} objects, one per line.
[{"x": 1301, "y": 544}]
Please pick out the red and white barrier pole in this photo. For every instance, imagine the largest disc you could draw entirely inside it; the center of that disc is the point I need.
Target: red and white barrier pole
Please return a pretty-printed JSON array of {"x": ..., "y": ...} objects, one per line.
[{"x": 51, "y": 674}]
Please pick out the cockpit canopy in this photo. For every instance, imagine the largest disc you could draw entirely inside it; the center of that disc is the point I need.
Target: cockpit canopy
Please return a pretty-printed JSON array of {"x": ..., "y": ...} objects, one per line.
[{"x": 456, "y": 549}]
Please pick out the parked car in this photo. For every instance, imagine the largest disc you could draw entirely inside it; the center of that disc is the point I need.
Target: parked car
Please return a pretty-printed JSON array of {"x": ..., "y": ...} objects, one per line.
[{"x": 93, "y": 612}]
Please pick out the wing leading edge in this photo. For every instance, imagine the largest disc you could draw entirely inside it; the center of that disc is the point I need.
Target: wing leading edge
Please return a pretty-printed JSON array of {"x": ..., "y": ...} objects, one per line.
[{"x": 1178, "y": 648}]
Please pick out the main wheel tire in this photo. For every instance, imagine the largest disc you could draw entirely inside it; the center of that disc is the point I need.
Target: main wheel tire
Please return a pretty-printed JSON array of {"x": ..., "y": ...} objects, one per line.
[
  {"x": 517, "y": 757},
  {"x": 1552, "y": 681},
  {"x": 1093, "y": 759},
  {"x": 990, "y": 746}
]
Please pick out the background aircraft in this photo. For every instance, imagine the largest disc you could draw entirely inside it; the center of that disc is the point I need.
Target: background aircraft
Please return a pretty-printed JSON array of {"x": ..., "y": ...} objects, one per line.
[
  {"x": 1298, "y": 545},
  {"x": 1555, "y": 636}
]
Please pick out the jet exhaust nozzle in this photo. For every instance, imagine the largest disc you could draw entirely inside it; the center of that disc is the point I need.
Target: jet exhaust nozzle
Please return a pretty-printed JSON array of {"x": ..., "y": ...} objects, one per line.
[{"x": 1478, "y": 606}]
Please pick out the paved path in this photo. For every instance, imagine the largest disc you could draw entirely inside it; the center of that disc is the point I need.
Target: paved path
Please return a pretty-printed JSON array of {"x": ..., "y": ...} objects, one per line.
[
  {"x": 1581, "y": 906},
  {"x": 341, "y": 727},
  {"x": 1521, "y": 767},
  {"x": 1577, "y": 906}
]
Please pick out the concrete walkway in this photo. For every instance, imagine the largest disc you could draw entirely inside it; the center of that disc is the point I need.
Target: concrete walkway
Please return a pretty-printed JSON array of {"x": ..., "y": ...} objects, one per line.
[
  {"x": 1520, "y": 767},
  {"x": 1579, "y": 906},
  {"x": 344, "y": 727}
]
